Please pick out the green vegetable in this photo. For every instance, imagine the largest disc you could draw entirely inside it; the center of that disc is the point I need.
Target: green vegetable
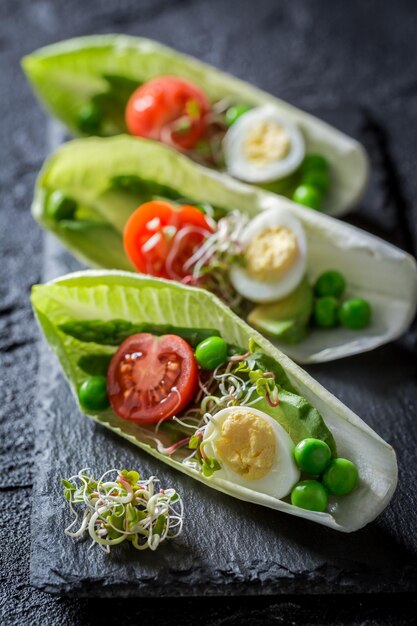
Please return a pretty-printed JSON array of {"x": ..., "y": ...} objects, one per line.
[
  {"x": 89, "y": 119},
  {"x": 95, "y": 364},
  {"x": 121, "y": 87},
  {"x": 326, "y": 312},
  {"x": 299, "y": 418},
  {"x": 92, "y": 394},
  {"x": 330, "y": 283},
  {"x": 211, "y": 352},
  {"x": 308, "y": 196},
  {"x": 355, "y": 313},
  {"x": 110, "y": 103},
  {"x": 312, "y": 455},
  {"x": 143, "y": 190},
  {"x": 132, "y": 476},
  {"x": 286, "y": 319},
  {"x": 340, "y": 477},
  {"x": 310, "y": 495},
  {"x": 60, "y": 207},
  {"x": 316, "y": 163},
  {"x": 318, "y": 179},
  {"x": 259, "y": 360},
  {"x": 209, "y": 467},
  {"x": 106, "y": 69},
  {"x": 114, "y": 332},
  {"x": 283, "y": 186},
  {"x": 234, "y": 112}
]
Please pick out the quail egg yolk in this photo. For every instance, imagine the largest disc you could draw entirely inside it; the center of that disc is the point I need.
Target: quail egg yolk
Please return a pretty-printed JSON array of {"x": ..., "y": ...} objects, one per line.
[
  {"x": 266, "y": 142},
  {"x": 271, "y": 253},
  {"x": 246, "y": 444}
]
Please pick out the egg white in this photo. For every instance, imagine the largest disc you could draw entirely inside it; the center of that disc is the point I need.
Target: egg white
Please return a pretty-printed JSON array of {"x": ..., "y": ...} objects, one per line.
[
  {"x": 283, "y": 474},
  {"x": 256, "y": 290},
  {"x": 239, "y": 166}
]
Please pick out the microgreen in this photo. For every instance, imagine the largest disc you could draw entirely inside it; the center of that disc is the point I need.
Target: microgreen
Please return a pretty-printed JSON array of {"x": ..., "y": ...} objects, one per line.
[
  {"x": 193, "y": 109},
  {"x": 194, "y": 442},
  {"x": 210, "y": 466},
  {"x": 123, "y": 508},
  {"x": 182, "y": 125},
  {"x": 209, "y": 266},
  {"x": 132, "y": 477}
]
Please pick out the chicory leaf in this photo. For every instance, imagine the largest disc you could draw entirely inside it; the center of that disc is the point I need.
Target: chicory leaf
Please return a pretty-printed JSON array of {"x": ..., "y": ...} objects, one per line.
[
  {"x": 111, "y": 295},
  {"x": 105, "y": 69}
]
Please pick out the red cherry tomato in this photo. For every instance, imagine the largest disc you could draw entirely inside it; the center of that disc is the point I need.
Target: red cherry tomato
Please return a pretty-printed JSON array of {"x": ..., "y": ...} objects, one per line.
[
  {"x": 159, "y": 238},
  {"x": 151, "y": 378},
  {"x": 168, "y": 109}
]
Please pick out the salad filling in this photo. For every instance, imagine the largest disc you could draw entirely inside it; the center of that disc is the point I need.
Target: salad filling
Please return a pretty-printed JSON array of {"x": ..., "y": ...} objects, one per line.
[
  {"x": 228, "y": 412},
  {"x": 258, "y": 267}
]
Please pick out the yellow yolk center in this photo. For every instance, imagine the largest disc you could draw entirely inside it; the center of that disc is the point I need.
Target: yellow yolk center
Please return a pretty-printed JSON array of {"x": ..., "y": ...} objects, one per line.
[
  {"x": 246, "y": 444},
  {"x": 271, "y": 253},
  {"x": 266, "y": 142}
]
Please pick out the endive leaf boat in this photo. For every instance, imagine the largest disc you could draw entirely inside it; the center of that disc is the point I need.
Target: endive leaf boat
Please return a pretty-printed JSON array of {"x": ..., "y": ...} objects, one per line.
[
  {"x": 91, "y": 83},
  {"x": 88, "y": 317},
  {"x": 101, "y": 182}
]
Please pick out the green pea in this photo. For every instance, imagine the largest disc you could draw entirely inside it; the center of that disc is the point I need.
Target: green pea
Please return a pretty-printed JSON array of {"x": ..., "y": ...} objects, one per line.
[
  {"x": 89, "y": 119},
  {"x": 310, "y": 495},
  {"x": 312, "y": 455},
  {"x": 355, "y": 313},
  {"x": 92, "y": 394},
  {"x": 211, "y": 352},
  {"x": 340, "y": 477},
  {"x": 330, "y": 283},
  {"x": 308, "y": 196},
  {"x": 60, "y": 207},
  {"x": 316, "y": 178},
  {"x": 234, "y": 112},
  {"x": 325, "y": 312},
  {"x": 315, "y": 162}
]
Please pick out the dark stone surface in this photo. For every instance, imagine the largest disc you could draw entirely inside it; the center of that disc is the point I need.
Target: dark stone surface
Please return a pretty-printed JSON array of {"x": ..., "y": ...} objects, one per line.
[{"x": 324, "y": 55}]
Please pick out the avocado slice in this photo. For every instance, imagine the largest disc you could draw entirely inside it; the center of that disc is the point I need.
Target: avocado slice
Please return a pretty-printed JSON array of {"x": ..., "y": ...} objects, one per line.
[
  {"x": 299, "y": 418},
  {"x": 286, "y": 319}
]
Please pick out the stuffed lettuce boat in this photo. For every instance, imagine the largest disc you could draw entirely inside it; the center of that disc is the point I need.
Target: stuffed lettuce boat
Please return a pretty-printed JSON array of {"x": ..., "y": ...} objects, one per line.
[
  {"x": 320, "y": 289},
  {"x": 171, "y": 369},
  {"x": 111, "y": 84}
]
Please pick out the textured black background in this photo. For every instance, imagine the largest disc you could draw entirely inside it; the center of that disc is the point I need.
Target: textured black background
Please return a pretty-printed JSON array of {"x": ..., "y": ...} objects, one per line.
[{"x": 316, "y": 54}]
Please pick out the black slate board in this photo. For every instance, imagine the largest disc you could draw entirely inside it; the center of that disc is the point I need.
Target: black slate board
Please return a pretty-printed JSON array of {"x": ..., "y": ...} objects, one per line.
[{"x": 230, "y": 547}]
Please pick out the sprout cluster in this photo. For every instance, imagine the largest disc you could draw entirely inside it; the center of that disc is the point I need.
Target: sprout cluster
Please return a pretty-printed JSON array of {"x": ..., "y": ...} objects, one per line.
[{"x": 125, "y": 508}]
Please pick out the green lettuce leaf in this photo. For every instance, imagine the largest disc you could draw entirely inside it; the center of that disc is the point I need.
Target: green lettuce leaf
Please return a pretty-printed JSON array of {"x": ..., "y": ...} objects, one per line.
[
  {"x": 105, "y": 70},
  {"x": 122, "y": 295}
]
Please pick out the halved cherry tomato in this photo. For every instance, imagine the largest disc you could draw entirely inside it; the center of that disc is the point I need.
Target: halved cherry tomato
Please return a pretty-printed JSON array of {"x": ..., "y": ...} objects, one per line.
[
  {"x": 151, "y": 378},
  {"x": 168, "y": 109},
  {"x": 159, "y": 238}
]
